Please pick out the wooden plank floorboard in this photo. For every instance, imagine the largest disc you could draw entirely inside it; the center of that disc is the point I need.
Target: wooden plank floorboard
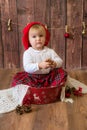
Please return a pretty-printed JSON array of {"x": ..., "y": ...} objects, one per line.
[{"x": 55, "y": 116}]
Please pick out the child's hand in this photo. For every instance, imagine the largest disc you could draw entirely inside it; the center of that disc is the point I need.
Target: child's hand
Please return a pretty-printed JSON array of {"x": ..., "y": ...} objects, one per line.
[
  {"x": 52, "y": 63},
  {"x": 48, "y": 63},
  {"x": 44, "y": 65}
]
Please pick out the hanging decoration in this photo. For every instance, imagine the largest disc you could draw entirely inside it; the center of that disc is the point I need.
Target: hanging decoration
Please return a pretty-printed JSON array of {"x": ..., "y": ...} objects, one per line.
[
  {"x": 9, "y": 25},
  {"x": 84, "y": 28},
  {"x": 66, "y": 35}
]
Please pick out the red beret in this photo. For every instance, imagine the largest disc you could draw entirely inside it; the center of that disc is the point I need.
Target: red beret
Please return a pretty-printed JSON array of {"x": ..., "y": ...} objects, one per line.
[{"x": 25, "y": 34}]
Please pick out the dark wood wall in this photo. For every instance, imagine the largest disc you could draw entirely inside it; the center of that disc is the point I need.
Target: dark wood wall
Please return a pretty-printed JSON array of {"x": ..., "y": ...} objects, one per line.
[{"x": 55, "y": 14}]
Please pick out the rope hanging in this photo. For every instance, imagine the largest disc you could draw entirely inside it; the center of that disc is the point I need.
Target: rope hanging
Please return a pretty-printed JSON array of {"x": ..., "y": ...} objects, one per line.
[{"x": 61, "y": 28}]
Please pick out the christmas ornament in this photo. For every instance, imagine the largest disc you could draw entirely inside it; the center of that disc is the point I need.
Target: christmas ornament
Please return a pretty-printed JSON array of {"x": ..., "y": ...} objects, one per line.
[
  {"x": 66, "y": 35},
  {"x": 9, "y": 25},
  {"x": 84, "y": 28},
  {"x": 73, "y": 91}
]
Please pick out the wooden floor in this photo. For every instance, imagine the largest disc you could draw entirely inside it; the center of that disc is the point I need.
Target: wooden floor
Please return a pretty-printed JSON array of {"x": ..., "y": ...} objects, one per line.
[{"x": 55, "y": 116}]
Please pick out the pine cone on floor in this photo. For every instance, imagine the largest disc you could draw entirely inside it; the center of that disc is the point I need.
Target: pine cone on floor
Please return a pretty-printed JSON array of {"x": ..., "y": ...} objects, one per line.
[
  {"x": 19, "y": 110},
  {"x": 23, "y": 109},
  {"x": 27, "y": 109}
]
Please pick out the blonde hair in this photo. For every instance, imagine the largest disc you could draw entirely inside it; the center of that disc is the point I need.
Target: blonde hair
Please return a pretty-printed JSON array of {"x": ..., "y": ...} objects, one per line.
[{"x": 38, "y": 27}]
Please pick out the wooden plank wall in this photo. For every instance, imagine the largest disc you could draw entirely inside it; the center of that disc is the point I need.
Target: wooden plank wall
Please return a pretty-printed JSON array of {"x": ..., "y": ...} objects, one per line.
[
  {"x": 74, "y": 44},
  {"x": 84, "y": 49},
  {"x": 9, "y": 39},
  {"x": 55, "y": 14},
  {"x": 58, "y": 19}
]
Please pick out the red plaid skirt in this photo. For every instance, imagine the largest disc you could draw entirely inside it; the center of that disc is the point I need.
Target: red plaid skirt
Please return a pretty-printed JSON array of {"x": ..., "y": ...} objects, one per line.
[
  {"x": 56, "y": 77},
  {"x": 41, "y": 85}
]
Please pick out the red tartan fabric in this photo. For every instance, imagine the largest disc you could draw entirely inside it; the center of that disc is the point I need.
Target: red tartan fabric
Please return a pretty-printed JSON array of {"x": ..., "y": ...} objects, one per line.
[
  {"x": 44, "y": 88},
  {"x": 56, "y": 77}
]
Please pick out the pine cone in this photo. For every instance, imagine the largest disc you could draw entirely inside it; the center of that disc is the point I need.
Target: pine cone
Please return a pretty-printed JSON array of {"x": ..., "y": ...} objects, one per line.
[
  {"x": 19, "y": 110},
  {"x": 27, "y": 109},
  {"x": 23, "y": 109}
]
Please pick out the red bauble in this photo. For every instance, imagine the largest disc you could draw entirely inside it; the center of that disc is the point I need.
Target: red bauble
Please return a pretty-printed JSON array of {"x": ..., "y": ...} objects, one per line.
[{"x": 66, "y": 35}]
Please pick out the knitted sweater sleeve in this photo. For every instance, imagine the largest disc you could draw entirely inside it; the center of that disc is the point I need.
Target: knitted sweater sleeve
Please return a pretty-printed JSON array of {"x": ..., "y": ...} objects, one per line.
[
  {"x": 28, "y": 64},
  {"x": 57, "y": 59}
]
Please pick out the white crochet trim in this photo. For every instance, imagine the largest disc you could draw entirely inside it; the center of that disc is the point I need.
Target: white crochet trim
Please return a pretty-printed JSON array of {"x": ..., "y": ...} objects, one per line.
[{"x": 10, "y": 98}]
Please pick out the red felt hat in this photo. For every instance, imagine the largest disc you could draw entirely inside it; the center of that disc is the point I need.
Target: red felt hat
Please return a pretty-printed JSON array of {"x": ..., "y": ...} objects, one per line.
[{"x": 25, "y": 34}]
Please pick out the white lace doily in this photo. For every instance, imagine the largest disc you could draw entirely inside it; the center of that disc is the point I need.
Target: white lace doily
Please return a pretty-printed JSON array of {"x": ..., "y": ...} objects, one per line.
[{"x": 10, "y": 98}]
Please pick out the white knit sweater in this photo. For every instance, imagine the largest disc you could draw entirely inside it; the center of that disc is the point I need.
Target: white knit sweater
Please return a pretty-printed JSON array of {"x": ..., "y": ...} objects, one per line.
[{"x": 32, "y": 57}]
